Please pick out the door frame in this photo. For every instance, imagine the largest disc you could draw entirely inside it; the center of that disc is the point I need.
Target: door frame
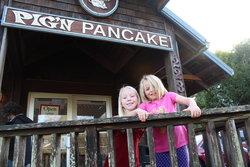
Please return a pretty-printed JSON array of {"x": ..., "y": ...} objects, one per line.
[{"x": 71, "y": 99}]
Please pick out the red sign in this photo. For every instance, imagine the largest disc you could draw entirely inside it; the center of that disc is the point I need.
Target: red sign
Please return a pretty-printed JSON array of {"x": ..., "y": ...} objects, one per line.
[{"x": 31, "y": 20}]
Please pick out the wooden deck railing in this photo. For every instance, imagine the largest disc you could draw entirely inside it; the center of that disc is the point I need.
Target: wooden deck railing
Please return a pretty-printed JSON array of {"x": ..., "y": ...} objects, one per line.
[{"x": 216, "y": 125}]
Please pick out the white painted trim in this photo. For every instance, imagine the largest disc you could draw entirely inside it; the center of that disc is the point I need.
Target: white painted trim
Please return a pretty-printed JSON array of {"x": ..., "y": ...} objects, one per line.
[{"x": 71, "y": 106}]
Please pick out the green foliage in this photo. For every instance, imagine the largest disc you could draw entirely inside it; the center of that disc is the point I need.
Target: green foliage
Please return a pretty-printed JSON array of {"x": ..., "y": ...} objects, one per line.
[{"x": 236, "y": 89}]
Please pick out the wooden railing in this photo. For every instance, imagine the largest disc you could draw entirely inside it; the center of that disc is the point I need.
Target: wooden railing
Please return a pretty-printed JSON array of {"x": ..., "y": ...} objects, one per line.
[{"x": 220, "y": 129}]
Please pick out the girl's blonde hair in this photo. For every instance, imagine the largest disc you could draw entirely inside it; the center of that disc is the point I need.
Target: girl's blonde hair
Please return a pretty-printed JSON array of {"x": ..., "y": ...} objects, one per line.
[
  {"x": 121, "y": 110},
  {"x": 155, "y": 84}
]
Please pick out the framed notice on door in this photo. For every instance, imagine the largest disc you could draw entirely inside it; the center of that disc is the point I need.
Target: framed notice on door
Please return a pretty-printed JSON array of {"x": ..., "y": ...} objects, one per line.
[{"x": 47, "y": 109}]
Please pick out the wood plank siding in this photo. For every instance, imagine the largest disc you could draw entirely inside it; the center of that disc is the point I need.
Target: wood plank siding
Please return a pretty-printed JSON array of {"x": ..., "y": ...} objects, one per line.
[{"x": 133, "y": 14}]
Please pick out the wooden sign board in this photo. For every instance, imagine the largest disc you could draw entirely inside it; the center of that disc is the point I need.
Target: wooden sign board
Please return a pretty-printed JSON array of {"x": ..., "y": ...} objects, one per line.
[{"x": 31, "y": 20}]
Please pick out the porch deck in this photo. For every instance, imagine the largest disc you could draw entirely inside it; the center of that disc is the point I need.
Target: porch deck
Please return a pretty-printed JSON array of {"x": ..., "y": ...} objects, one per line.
[{"x": 225, "y": 123}]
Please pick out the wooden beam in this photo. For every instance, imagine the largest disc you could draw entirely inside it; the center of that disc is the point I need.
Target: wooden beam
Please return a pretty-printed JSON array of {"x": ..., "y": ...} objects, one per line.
[
  {"x": 3, "y": 51},
  {"x": 161, "y": 4},
  {"x": 191, "y": 77}
]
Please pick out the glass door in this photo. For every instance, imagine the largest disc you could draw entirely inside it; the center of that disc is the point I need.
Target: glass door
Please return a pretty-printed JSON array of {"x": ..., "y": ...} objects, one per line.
[
  {"x": 89, "y": 107},
  {"x": 50, "y": 107}
]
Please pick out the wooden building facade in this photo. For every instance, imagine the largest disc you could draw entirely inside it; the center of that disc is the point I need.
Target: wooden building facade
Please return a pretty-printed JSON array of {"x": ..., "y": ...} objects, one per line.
[
  {"x": 67, "y": 59},
  {"x": 43, "y": 51}
]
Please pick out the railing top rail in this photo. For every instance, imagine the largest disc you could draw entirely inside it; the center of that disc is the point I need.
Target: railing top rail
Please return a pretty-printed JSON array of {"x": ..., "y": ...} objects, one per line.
[{"x": 178, "y": 118}]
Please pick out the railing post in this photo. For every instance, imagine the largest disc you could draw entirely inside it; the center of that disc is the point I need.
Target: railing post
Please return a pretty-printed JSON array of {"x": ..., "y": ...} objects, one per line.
[
  {"x": 236, "y": 154},
  {"x": 247, "y": 135},
  {"x": 171, "y": 146},
  {"x": 151, "y": 146},
  {"x": 4, "y": 153},
  {"x": 213, "y": 145},
  {"x": 19, "y": 151},
  {"x": 131, "y": 151},
  {"x": 227, "y": 151},
  {"x": 91, "y": 147},
  {"x": 192, "y": 147},
  {"x": 74, "y": 153},
  {"x": 55, "y": 158},
  {"x": 37, "y": 151},
  {"x": 111, "y": 150}
]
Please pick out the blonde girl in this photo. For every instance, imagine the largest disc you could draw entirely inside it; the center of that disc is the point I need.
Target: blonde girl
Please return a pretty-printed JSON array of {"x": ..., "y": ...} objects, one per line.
[
  {"x": 128, "y": 101},
  {"x": 156, "y": 99}
]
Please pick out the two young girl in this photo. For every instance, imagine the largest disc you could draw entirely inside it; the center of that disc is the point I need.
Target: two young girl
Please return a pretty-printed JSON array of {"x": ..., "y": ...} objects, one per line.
[{"x": 156, "y": 99}]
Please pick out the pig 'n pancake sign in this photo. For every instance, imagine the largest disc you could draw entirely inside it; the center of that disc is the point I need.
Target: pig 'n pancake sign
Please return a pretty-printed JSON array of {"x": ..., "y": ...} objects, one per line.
[{"x": 36, "y": 21}]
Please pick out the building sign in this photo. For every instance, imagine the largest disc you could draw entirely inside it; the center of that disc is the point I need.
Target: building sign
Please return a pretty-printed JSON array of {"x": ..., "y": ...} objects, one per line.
[
  {"x": 46, "y": 109},
  {"x": 31, "y": 20},
  {"x": 99, "y": 8}
]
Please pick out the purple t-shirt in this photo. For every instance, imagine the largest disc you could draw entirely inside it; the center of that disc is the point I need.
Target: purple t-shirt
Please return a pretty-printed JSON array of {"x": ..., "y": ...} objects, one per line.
[{"x": 167, "y": 104}]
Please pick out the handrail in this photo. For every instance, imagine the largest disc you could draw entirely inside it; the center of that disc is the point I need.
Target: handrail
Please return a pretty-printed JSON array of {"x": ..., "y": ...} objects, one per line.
[{"x": 212, "y": 120}]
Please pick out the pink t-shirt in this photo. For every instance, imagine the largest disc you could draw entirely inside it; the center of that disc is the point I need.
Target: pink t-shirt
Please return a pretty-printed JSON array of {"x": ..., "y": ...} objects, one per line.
[{"x": 167, "y": 104}]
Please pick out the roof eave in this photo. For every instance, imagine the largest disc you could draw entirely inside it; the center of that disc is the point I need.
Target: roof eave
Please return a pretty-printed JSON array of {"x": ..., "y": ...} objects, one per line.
[
  {"x": 218, "y": 62},
  {"x": 184, "y": 26}
]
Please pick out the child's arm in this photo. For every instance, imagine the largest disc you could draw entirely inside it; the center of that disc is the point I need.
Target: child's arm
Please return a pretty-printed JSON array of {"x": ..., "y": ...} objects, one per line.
[
  {"x": 142, "y": 114},
  {"x": 192, "y": 106}
]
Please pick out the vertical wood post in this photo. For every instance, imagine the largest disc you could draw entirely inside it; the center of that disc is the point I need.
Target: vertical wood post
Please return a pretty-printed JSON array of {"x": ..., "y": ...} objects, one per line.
[
  {"x": 55, "y": 158},
  {"x": 91, "y": 147},
  {"x": 233, "y": 141},
  {"x": 247, "y": 135},
  {"x": 74, "y": 153},
  {"x": 171, "y": 146},
  {"x": 3, "y": 50},
  {"x": 173, "y": 67},
  {"x": 151, "y": 146},
  {"x": 131, "y": 151},
  {"x": 213, "y": 145},
  {"x": 19, "y": 151},
  {"x": 4, "y": 151},
  {"x": 37, "y": 151},
  {"x": 194, "y": 159},
  {"x": 227, "y": 150},
  {"x": 111, "y": 149}
]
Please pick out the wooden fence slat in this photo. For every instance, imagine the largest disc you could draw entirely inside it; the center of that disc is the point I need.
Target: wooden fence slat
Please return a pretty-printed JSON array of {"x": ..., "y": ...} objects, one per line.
[
  {"x": 4, "y": 151},
  {"x": 213, "y": 145},
  {"x": 171, "y": 146},
  {"x": 111, "y": 150},
  {"x": 247, "y": 136},
  {"x": 91, "y": 147},
  {"x": 194, "y": 159},
  {"x": 19, "y": 151},
  {"x": 37, "y": 151},
  {"x": 233, "y": 141},
  {"x": 131, "y": 151},
  {"x": 206, "y": 148},
  {"x": 241, "y": 148},
  {"x": 55, "y": 157},
  {"x": 227, "y": 151},
  {"x": 74, "y": 152},
  {"x": 151, "y": 146}
]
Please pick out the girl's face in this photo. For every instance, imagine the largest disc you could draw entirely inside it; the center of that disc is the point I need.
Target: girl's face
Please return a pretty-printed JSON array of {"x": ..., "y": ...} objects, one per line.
[
  {"x": 129, "y": 99},
  {"x": 150, "y": 92}
]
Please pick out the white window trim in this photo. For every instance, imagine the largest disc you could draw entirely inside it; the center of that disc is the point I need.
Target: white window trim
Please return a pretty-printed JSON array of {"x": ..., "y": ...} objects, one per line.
[{"x": 71, "y": 98}]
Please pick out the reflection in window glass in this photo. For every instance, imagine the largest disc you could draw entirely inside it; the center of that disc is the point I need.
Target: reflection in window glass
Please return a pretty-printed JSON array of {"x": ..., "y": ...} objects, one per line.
[
  {"x": 62, "y": 103},
  {"x": 91, "y": 109}
]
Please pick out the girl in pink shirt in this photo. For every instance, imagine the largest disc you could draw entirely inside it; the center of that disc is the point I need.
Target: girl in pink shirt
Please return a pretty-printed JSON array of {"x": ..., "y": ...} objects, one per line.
[{"x": 156, "y": 99}]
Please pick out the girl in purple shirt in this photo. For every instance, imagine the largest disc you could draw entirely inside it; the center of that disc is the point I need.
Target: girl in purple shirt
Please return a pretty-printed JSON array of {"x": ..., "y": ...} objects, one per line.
[{"x": 156, "y": 99}]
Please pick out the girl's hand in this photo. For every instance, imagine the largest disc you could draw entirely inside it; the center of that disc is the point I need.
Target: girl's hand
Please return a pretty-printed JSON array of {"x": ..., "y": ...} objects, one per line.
[
  {"x": 195, "y": 111},
  {"x": 142, "y": 114}
]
